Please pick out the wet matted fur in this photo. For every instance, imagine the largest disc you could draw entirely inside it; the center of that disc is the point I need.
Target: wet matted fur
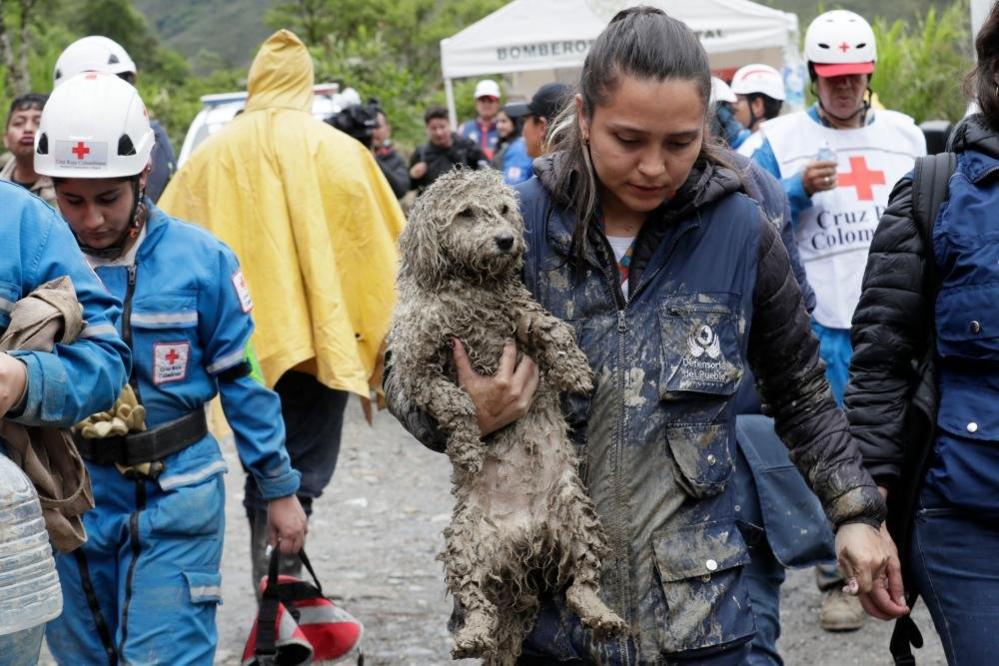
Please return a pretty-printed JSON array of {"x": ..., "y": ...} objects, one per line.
[{"x": 522, "y": 522}]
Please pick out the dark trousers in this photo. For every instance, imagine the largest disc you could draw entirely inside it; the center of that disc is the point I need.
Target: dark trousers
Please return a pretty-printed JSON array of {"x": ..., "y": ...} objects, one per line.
[
  {"x": 313, "y": 420},
  {"x": 764, "y": 573},
  {"x": 954, "y": 561}
]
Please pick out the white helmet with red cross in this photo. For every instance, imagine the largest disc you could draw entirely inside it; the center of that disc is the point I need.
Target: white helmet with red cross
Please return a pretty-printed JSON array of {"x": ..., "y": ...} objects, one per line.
[
  {"x": 92, "y": 54},
  {"x": 839, "y": 43},
  {"x": 759, "y": 79},
  {"x": 93, "y": 126}
]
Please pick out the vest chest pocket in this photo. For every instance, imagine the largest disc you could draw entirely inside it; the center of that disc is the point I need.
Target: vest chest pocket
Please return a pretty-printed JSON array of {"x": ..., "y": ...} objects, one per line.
[
  {"x": 165, "y": 336},
  {"x": 701, "y": 345},
  {"x": 703, "y": 456}
]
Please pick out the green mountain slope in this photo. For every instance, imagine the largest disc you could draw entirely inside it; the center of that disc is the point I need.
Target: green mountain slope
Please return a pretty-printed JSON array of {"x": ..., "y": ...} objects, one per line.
[{"x": 231, "y": 30}]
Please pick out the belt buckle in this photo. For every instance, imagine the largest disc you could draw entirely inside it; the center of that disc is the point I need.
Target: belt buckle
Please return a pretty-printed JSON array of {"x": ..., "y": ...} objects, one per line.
[{"x": 148, "y": 471}]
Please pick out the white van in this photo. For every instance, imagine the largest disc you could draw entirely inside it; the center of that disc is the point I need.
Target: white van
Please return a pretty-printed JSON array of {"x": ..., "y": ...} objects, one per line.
[{"x": 223, "y": 107}]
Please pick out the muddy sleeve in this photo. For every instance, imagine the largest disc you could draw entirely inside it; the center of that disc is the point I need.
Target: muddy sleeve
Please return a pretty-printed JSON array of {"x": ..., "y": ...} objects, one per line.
[
  {"x": 784, "y": 356},
  {"x": 417, "y": 422}
]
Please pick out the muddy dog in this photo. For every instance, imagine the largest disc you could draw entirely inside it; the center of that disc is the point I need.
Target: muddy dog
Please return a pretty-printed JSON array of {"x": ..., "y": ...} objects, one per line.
[{"x": 522, "y": 523}]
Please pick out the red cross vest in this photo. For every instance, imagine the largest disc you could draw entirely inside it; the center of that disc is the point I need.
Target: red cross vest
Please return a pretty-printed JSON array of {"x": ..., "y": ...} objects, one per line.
[{"x": 835, "y": 233}]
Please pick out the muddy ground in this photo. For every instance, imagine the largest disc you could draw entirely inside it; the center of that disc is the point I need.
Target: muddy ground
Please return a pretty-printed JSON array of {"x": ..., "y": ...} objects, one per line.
[{"x": 374, "y": 536}]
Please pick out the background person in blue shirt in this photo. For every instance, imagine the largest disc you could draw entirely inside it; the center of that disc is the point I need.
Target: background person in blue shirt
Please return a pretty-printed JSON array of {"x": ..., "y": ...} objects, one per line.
[
  {"x": 482, "y": 129},
  {"x": 144, "y": 587}
]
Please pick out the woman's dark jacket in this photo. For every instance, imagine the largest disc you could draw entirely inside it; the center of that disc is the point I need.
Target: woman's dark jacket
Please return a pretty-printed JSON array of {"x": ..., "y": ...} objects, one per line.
[
  {"x": 712, "y": 292},
  {"x": 898, "y": 316}
]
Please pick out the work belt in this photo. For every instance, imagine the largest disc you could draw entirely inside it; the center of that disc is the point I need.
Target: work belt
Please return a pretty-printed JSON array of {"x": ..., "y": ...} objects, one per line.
[{"x": 144, "y": 447}]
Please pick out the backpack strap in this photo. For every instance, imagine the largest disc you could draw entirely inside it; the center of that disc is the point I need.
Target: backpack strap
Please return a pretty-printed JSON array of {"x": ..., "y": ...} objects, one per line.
[{"x": 930, "y": 189}]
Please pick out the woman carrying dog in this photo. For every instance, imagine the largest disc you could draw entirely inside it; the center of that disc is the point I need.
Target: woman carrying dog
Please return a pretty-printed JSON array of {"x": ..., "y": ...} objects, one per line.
[
  {"x": 145, "y": 586},
  {"x": 640, "y": 236}
]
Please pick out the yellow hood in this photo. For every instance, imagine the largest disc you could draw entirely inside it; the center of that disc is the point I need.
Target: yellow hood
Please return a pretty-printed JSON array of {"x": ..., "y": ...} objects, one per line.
[
  {"x": 281, "y": 75},
  {"x": 311, "y": 218}
]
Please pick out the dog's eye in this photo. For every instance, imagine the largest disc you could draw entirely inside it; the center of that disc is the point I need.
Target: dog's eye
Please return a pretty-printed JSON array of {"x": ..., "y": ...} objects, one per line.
[
  {"x": 504, "y": 210},
  {"x": 466, "y": 213}
]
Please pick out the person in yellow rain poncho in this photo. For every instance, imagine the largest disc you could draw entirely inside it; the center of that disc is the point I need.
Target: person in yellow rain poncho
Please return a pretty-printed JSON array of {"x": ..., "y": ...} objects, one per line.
[{"x": 314, "y": 224}]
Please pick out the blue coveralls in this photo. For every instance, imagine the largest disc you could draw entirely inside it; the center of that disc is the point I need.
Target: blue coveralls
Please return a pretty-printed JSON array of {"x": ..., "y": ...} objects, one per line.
[
  {"x": 76, "y": 379},
  {"x": 144, "y": 588}
]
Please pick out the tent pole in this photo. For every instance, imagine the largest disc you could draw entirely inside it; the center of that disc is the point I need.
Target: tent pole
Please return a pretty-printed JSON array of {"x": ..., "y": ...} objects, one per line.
[{"x": 449, "y": 92}]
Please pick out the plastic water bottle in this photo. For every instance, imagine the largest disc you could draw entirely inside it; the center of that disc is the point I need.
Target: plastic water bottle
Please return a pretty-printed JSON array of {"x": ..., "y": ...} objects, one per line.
[
  {"x": 29, "y": 586},
  {"x": 826, "y": 154}
]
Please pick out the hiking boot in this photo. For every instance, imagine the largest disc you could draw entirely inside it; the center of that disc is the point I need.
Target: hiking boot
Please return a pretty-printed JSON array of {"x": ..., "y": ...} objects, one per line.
[{"x": 840, "y": 611}]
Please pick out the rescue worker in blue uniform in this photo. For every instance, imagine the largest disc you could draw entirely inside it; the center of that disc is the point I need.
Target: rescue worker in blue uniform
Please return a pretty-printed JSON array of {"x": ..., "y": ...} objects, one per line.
[
  {"x": 55, "y": 388},
  {"x": 145, "y": 587},
  {"x": 640, "y": 237}
]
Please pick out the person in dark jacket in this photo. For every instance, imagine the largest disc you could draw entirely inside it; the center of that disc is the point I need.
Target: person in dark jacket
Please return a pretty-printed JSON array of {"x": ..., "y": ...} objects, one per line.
[
  {"x": 389, "y": 160},
  {"x": 639, "y": 236},
  {"x": 443, "y": 151},
  {"x": 940, "y": 295}
]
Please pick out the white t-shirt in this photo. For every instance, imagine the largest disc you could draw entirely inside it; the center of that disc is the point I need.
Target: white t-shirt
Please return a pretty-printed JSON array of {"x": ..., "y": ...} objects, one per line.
[{"x": 620, "y": 245}]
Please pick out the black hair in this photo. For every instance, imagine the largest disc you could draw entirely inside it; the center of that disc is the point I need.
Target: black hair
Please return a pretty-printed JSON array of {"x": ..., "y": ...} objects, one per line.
[
  {"x": 983, "y": 81},
  {"x": 643, "y": 42},
  {"x": 26, "y": 102},
  {"x": 435, "y": 112},
  {"x": 771, "y": 106}
]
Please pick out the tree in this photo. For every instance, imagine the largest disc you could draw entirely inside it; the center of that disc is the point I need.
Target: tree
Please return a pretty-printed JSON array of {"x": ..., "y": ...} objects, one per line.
[
  {"x": 14, "y": 54},
  {"x": 920, "y": 67}
]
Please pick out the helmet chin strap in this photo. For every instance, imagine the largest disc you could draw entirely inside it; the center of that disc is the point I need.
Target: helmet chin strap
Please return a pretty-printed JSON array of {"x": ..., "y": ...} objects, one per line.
[
  {"x": 863, "y": 109},
  {"x": 136, "y": 218}
]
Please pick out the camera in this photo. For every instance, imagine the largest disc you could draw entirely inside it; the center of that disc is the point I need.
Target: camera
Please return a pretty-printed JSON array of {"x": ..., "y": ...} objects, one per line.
[{"x": 358, "y": 121}]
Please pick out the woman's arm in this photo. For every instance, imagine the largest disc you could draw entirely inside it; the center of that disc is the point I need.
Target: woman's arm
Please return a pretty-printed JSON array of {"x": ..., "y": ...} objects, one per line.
[
  {"x": 784, "y": 355},
  {"x": 890, "y": 333}
]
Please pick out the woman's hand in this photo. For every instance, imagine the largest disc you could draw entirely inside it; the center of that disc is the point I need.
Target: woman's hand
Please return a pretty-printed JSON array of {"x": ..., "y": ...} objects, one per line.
[
  {"x": 503, "y": 398},
  {"x": 869, "y": 561},
  {"x": 13, "y": 382},
  {"x": 286, "y": 524}
]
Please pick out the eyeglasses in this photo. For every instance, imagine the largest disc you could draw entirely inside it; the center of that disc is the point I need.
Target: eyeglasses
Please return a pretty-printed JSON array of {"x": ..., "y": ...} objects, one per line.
[{"x": 488, "y": 98}]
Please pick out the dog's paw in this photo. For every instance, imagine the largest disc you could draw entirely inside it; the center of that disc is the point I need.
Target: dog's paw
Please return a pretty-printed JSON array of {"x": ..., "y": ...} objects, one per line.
[
  {"x": 576, "y": 377},
  {"x": 594, "y": 613},
  {"x": 475, "y": 639}
]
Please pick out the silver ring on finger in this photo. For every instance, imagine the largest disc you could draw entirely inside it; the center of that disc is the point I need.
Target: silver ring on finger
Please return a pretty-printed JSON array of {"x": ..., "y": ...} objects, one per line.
[{"x": 829, "y": 180}]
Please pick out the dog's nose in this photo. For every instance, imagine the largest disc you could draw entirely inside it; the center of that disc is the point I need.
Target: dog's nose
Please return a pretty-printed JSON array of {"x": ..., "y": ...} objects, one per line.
[{"x": 504, "y": 243}]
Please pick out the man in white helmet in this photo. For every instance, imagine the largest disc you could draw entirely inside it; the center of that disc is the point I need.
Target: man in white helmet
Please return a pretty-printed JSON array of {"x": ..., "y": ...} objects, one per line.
[
  {"x": 759, "y": 96},
  {"x": 96, "y": 53},
  {"x": 144, "y": 587},
  {"x": 838, "y": 161}
]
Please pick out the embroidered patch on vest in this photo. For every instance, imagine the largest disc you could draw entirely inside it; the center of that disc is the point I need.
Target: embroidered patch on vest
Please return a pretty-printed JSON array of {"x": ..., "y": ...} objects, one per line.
[
  {"x": 239, "y": 282},
  {"x": 170, "y": 361}
]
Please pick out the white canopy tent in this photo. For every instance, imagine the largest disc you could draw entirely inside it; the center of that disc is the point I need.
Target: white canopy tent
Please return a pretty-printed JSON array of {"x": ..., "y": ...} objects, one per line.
[{"x": 552, "y": 38}]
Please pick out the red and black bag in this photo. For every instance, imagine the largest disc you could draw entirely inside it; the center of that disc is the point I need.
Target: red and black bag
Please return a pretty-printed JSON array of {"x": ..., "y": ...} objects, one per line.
[{"x": 297, "y": 624}]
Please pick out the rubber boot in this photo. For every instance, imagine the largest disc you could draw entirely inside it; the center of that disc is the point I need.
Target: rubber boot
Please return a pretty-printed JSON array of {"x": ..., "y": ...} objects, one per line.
[{"x": 290, "y": 565}]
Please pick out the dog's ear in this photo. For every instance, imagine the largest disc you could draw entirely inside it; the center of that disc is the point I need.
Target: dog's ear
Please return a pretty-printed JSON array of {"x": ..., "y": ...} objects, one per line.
[{"x": 420, "y": 246}]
